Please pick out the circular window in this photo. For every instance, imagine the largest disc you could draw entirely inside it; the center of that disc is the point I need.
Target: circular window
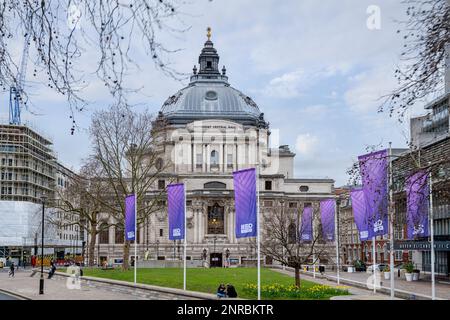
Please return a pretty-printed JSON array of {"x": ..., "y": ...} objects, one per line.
[
  {"x": 304, "y": 188},
  {"x": 211, "y": 95}
]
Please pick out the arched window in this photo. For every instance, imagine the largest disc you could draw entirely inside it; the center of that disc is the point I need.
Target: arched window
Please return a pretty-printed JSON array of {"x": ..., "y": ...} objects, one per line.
[
  {"x": 104, "y": 234},
  {"x": 214, "y": 158},
  {"x": 292, "y": 233}
]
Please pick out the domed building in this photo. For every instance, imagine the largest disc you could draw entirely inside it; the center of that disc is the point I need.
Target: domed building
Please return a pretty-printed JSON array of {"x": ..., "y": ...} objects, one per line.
[{"x": 211, "y": 130}]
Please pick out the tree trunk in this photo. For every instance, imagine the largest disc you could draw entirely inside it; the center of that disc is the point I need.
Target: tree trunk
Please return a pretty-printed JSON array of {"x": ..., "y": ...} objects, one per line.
[
  {"x": 126, "y": 254},
  {"x": 92, "y": 242},
  {"x": 297, "y": 276}
]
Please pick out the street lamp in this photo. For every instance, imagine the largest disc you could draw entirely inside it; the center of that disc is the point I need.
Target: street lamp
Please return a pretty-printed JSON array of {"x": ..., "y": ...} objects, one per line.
[
  {"x": 157, "y": 249},
  {"x": 41, "y": 280}
]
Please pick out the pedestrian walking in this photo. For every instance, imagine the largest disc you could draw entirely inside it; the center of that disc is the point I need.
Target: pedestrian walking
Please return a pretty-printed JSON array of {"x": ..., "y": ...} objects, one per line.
[{"x": 11, "y": 270}]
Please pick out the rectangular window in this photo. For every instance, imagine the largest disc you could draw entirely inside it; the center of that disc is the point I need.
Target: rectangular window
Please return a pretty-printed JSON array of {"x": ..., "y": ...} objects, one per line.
[
  {"x": 268, "y": 203},
  {"x": 161, "y": 184},
  {"x": 268, "y": 185},
  {"x": 10, "y": 162},
  {"x": 292, "y": 204},
  {"x": 161, "y": 232}
]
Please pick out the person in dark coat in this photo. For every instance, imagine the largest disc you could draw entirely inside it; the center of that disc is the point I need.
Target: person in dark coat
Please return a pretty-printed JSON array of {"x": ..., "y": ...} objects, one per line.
[
  {"x": 52, "y": 269},
  {"x": 231, "y": 291},
  {"x": 11, "y": 270}
]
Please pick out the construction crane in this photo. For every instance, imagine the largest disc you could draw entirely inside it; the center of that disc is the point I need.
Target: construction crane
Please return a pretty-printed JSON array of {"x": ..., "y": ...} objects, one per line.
[{"x": 16, "y": 91}]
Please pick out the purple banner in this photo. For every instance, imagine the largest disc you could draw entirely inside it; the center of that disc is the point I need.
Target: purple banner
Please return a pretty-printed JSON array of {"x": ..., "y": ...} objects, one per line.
[
  {"x": 306, "y": 232},
  {"x": 176, "y": 203},
  {"x": 374, "y": 174},
  {"x": 327, "y": 211},
  {"x": 360, "y": 213},
  {"x": 417, "y": 202},
  {"x": 245, "y": 202},
  {"x": 130, "y": 218}
]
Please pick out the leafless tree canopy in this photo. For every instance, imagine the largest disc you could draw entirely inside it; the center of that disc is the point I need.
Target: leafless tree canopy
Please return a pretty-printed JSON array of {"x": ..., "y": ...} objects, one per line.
[
  {"x": 282, "y": 236},
  {"x": 63, "y": 33},
  {"x": 125, "y": 144},
  {"x": 426, "y": 34}
]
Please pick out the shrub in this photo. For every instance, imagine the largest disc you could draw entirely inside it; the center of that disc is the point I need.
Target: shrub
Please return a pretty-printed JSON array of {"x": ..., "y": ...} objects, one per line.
[{"x": 279, "y": 291}]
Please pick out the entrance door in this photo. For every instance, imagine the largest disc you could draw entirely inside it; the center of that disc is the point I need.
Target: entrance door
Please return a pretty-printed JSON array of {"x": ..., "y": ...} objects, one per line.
[{"x": 215, "y": 260}]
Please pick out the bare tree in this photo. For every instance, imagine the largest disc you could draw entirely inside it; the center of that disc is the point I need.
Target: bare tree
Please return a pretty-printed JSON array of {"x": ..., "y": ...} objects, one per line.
[
  {"x": 427, "y": 37},
  {"x": 63, "y": 34},
  {"x": 283, "y": 238},
  {"x": 125, "y": 144}
]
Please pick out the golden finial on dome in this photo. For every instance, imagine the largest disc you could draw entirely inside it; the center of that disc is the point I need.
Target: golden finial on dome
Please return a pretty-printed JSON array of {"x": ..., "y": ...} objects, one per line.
[{"x": 208, "y": 33}]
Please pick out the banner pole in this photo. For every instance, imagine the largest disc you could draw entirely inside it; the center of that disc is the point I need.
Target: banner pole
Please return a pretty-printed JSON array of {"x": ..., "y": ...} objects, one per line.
[
  {"x": 433, "y": 287},
  {"x": 374, "y": 261},
  {"x": 135, "y": 238},
  {"x": 336, "y": 240},
  {"x": 258, "y": 232},
  {"x": 185, "y": 241},
  {"x": 391, "y": 226}
]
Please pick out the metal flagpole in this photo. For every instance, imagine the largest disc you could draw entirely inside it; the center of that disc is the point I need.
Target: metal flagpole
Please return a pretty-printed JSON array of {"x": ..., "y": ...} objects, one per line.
[
  {"x": 185, "y": 241},
  {"x": 258, "y": 233},
  {"x": 374, "y": 260},
  {"x": 336, "y": 240},
  {"x": 433, "y": 287},
  {"x": 135, "y": 237},
  {"x": 391, "y": 226}
]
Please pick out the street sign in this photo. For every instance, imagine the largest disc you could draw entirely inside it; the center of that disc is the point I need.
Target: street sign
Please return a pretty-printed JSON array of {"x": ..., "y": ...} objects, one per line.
[{"x": 420, "y": 245}]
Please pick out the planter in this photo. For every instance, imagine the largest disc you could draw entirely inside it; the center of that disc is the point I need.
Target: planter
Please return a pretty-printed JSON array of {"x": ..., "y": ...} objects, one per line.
[
  {"x": 415, "y": 276},
  {"x": 408, "y": 276},
  {"x": 387, "y": 275}
]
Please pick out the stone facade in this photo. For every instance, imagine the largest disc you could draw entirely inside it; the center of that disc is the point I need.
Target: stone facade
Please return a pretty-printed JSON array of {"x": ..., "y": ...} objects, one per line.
[{"x": 211, "y": 130}]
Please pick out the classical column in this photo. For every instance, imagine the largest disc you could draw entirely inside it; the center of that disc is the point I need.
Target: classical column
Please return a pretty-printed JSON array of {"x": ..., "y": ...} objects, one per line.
[
  {"x": 204, "y": 158},
  {"x": 194, "y": 157},
  {"x": 225, "y": 157},
  {"x": 237, "y": 158},
  {"x": 208, "y": 158}
]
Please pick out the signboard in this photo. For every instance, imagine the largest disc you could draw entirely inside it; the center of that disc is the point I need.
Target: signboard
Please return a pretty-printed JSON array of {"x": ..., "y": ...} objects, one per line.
[{"x": 421, "y": 245}]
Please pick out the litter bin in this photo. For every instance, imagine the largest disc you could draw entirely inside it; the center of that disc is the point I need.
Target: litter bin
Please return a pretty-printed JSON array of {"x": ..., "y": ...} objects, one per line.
[{"x": 321, "y": 269}]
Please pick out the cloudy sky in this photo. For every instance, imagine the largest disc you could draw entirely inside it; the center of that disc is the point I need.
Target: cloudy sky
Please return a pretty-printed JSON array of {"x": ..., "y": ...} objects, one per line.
[{"x": 314, "y": 68}]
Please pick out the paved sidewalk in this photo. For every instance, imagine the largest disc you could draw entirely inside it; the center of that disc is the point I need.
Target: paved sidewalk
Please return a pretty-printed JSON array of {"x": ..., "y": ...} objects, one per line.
[
  {"x": 56, "y": 289},
  {"x": 420, "y": 288}
]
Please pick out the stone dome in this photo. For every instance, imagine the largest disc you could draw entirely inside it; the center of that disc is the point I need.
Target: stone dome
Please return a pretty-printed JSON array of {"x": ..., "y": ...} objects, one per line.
[{"x": 209, "y": 96}]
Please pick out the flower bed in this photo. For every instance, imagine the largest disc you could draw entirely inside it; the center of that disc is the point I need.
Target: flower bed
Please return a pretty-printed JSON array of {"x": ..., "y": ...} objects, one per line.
[{"x": 279, "y": 291}]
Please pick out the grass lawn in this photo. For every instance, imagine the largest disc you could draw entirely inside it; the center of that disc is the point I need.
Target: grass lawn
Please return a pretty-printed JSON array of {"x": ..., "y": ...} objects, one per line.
[{"x": 203, "y": 280}]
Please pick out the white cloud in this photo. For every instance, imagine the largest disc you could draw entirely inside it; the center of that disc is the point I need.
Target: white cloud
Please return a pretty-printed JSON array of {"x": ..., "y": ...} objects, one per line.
[
  {"x": 367, "y": 89},
  {"x": 286, "y": 86},
  {"x": 306, "y": 144}
]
